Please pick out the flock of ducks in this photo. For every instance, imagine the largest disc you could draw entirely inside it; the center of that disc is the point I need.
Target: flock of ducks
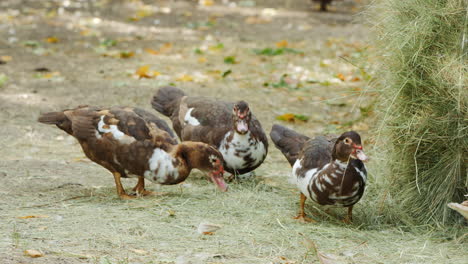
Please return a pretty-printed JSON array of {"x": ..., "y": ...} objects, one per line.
[{"x": 215, "y": 136}]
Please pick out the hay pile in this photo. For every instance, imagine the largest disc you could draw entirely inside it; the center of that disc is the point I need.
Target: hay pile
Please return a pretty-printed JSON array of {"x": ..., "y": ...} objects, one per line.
[{"x": 423, "y": 72}]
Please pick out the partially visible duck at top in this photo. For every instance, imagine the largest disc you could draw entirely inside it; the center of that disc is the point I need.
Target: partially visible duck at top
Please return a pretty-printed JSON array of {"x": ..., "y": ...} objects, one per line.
[
  {"x": 131, "y": 142},
  {"x": 230, "y": 127},
  {"x": 327, "y": 171}
]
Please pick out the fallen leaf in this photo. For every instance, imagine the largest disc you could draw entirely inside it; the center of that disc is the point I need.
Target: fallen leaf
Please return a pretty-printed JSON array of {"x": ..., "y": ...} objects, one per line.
[
  {"x": 230, "y": 60},
  {"x": 31, "y": 44},
  {"x": 206, "y": 2},
  {"x": 216, "y": 47},
  {"x": 341, "y": 77},
  {"x": 207, "y": 228},
  {"x": 202, "y": 60},
  {"x": 185, "y": 78},
  {"x": 257, "y": 20},
  {"x": 152, "y": 51},
  {"x": 33, "y": 216},
  {"x": 166, "y": 47},
  {"x": 52, "y": 39},
  {"x": 144, "y": 72},
  {"x": 282, "y": 44},
  {"x": 290, "y": 117},
  {"x": 126, "y": 54},
  {"x": 48, "y": 75},
  {"x": 3, "y": 79},
  {"x": 355, "y": 79},
  {"x": 139, "y": 251},
  {"x": 33, "y": 253},
  {"x": 226, "y": 73},
  {"x": 5, "y": 58},
  {"x": 108, "y": 43}
]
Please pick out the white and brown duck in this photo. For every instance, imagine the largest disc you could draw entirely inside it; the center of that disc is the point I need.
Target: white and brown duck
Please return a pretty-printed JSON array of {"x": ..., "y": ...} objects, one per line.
[
  {"x": 230, "y": 127},
  {"x": 131, "y": 142},
  {"x": 327, "y": 171}
]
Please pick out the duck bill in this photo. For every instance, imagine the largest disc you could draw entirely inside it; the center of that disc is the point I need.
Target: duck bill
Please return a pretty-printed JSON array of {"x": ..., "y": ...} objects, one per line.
[
  {"x": 241, "y": 126},
  {"x": 360, "y": 155},
  {"x": 218, "y": 179}
]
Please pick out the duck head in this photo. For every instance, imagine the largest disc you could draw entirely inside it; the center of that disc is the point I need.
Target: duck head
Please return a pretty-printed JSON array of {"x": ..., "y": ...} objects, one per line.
[
  {"x": 349, "y": 146},
  {"x": 241, "y": 117},
  {"x": 207, "y": 159}
]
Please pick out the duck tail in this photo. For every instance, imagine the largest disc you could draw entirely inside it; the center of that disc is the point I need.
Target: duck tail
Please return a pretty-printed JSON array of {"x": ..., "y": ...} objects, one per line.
[
  {"x": 167, "y": 99},
  {"x": 288, "y": 142}
]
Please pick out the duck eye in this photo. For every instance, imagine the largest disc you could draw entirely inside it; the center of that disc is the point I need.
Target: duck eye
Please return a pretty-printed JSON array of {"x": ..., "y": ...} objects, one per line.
[{"x": 347, "y": 141}]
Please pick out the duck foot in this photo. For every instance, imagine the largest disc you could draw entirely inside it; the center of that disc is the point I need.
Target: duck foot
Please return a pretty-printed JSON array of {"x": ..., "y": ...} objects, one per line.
[
  {"x": 304, "y": 219},
  {"x": 125, "y": 196}
]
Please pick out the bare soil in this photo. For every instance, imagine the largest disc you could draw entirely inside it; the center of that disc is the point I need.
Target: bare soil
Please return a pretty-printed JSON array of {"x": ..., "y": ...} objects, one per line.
[{"x": 60, "y": 54}]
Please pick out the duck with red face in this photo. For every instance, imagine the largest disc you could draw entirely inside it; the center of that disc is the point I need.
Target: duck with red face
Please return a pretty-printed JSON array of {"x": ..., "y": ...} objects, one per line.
[
  {"x": 241, "y": 117},
  {"x": 327, "y": 171},
  {"x": 229, "y": 127},
  {"x": 130, "y": 142}
]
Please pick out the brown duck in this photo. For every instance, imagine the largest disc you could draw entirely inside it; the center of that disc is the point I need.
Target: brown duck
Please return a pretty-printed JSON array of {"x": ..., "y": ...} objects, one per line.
[
  {"x": 230, "y": 127},
  {"x": 329, "y": 172},
  {"x": 131, "y": 142}
]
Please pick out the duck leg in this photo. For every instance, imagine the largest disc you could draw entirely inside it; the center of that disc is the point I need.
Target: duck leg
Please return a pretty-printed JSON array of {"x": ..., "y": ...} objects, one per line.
[
  {"x": 301, "y": 216},
  {"x": 349, "y": 218},
  {"x": 140, "y": 187},
  {"x": 120, "y": 190}
]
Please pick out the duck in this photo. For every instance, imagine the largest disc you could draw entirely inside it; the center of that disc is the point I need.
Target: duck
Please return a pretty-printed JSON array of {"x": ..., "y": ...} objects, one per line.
[
  {"x": 132, "y": 142},
  {"x": 328, "y": 171},
  {"x": 231, "y": 127}
]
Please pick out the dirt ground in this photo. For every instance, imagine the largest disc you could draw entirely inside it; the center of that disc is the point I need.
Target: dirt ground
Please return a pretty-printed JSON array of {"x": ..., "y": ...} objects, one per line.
[{"x": 60, "y": 54}]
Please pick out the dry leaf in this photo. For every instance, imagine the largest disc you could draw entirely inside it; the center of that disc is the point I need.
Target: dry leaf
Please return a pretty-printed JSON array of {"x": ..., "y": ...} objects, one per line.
[
  {"x": 185, "y": 78},
  {"x": 166, "y": 47},
  {"x": 50, "y": 75},
  {"x": 152, "y": 51},
  {"x": 290, "y": 117},
  {"x": 207, "y": 228},
  {"x": 202, "y": 60},
  {"x": 33, "y": 216},
  {"x": 52, "y": 39},
  {"x": 142, "y": 72},
  {"x": 33, "y": 253},
  {"x": 341, "y": 77},
  {"x": 355, "y": 79},
  {"x": 282, "y": 44},
  {"x": 139, "y": 251},
  {"x": 5, "y": 58},
  {"x": 256, "y": 20},
  {"x": 206, "y": 2},
  {"x": 126, "y": 54},
  {"x": 85, "y": 32}
]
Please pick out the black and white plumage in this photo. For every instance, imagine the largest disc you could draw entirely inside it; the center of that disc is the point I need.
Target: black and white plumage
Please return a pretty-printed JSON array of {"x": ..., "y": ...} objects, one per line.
[
  {"x": 327, "y": 171},
  {"x": 230, "y": 127}
]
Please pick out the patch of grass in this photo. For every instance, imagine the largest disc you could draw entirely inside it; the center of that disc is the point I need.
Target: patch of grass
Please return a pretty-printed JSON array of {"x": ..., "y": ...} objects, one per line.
[{"x": 424, "y": 128}]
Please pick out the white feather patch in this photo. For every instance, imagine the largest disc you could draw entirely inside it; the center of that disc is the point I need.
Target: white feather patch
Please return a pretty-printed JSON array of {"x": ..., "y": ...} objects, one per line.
[
  {"x": 362, "y": 174},
  {"x": 161, "y": 166},
  {"x": 189, "y": 119},
  {"x": 302, "y": 182},
  {"x": 116, "y": 133},
  {"x": 239, "y": 147}
]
